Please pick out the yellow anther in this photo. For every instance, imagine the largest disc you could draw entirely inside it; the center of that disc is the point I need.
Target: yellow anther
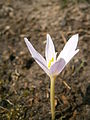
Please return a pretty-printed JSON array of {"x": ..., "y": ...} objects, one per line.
[{"x": 49, "y": 64}]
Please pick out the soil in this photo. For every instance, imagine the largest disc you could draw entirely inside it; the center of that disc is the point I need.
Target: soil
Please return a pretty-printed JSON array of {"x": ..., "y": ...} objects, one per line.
[{"x": 24, "y": 86}]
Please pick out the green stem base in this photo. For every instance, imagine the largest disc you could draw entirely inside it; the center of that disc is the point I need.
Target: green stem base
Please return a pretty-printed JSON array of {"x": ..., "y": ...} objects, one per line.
[{"x": 52, "y": 95}]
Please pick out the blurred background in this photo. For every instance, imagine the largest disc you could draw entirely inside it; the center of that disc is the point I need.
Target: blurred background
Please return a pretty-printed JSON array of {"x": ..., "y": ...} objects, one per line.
[{"x": 24, "y": 87}]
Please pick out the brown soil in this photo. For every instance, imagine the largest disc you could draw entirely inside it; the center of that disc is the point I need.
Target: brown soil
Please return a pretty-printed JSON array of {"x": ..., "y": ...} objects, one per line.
[{"x": 24, "y": 87}]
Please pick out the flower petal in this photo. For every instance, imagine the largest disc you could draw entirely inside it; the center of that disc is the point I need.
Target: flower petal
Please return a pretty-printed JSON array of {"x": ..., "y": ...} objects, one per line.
[
  {"x": 47, "y": 71},
  {"x": 69, "y": 50},
  {"x": 38, "y": 58},
  {"x": 50, "y": 49},
  {"x": 71, "y": 55},
  {"x": 57, "y": 67}
]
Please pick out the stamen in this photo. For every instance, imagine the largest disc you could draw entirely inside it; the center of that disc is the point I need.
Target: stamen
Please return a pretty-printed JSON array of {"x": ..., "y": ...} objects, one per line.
[{"x": 49, "y": 64}]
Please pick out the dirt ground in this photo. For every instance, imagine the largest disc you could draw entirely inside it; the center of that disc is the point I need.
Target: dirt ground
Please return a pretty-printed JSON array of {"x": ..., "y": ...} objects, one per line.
[{"x": 24, "y": 87}]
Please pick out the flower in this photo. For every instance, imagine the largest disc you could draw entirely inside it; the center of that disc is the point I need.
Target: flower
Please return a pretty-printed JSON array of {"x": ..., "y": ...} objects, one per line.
[{"x": 52, "y": 65}]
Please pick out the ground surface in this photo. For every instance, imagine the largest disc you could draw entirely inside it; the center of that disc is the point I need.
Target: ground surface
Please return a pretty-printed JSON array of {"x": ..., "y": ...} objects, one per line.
[{"x": 24, "y": 87}]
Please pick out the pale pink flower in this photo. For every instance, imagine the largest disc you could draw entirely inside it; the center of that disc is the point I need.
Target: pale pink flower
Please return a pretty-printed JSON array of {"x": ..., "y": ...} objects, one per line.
[{"x": 52, "y": 65}]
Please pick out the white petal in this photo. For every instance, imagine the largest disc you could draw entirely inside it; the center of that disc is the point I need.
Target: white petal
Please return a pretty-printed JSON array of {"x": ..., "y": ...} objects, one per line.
[
  {"x": 69, "y": 50},
  {"x": 57, "y": 67},
  {"x": 71, "y": 55},
  {"x": 43, "y": 66},
  {"x": 38, "y": 58},
  {"x": 50, "y": 49}
]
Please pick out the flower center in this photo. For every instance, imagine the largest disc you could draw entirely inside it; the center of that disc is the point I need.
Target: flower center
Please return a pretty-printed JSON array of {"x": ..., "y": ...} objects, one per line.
[{"x": 49, "y": 63}]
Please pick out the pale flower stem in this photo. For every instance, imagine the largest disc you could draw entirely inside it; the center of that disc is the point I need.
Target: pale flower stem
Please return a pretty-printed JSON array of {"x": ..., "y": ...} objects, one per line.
[{"x": 52, "y": 95}]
